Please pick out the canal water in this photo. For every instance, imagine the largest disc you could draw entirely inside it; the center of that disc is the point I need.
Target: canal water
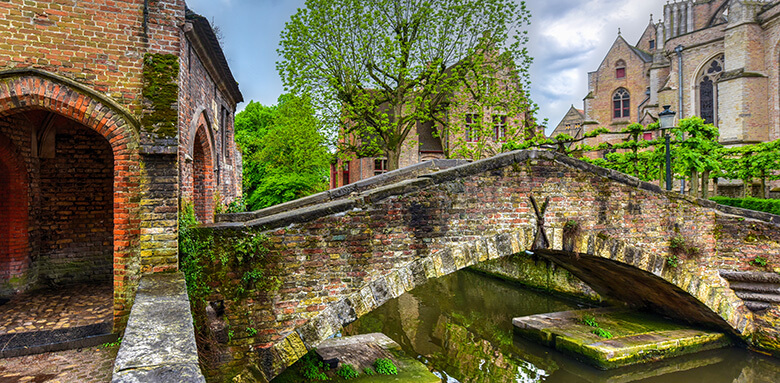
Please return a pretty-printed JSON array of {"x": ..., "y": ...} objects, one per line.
[{"x": 460, "y": 326}]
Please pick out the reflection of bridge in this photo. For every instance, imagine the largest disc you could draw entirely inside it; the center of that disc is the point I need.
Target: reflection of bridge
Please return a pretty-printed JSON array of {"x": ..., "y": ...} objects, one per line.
[{"x": 346, "y": 257}]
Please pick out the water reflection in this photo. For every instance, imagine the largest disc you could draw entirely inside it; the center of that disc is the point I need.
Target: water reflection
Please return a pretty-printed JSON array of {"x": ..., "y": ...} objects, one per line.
[{"x": 460, "y": 327}]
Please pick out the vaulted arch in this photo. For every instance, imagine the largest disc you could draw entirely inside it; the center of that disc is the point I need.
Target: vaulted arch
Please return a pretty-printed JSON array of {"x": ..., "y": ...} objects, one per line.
[{"x": 30, "y": 92}]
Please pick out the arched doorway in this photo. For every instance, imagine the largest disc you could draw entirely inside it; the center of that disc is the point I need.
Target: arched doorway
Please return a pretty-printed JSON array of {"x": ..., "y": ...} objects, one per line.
[
  {"x": 14, "y": 236},
  {"x": 203, "y": 176}
]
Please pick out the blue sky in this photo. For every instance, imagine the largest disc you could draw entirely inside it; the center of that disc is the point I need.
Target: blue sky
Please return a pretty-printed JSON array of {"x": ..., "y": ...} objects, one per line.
[{"x": 568, "y": 39}]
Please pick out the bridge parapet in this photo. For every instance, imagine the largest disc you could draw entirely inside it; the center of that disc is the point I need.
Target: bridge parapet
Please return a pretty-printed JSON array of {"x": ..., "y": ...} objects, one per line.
[{"x": 626, "y": 238}]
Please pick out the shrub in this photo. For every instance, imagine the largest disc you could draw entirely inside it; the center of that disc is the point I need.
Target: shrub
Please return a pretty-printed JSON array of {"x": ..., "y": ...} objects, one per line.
[
  {"x": 347, "y": 372},
  {"x": 766, "y": 205},
  {"x": 385, "y": 366}
]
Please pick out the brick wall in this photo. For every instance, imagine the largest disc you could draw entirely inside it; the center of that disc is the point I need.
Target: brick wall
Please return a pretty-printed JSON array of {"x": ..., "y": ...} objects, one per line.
[
  {"x": 76, "y": 212},
  {"x": 14, "y": 239},
  {"x": 202, "y": 103}
]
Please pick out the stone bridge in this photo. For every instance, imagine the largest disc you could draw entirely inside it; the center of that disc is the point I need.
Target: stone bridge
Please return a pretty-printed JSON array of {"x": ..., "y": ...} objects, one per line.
[{"x": 629, "y": 240}]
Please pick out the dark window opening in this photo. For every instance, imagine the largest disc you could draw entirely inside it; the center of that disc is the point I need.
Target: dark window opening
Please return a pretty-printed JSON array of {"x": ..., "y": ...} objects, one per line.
[
  {"x": 380, "y": 166},
  {"x": 499, "y": 127}
]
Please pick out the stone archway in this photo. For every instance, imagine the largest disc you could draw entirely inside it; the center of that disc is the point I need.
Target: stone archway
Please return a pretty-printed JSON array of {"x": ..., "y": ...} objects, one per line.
[
  {"x": 695, "y": 295},
  {"x": 14, "y": 236},
  {"x": 33, "y": 91},
  {"x": 203, "y": 176}
]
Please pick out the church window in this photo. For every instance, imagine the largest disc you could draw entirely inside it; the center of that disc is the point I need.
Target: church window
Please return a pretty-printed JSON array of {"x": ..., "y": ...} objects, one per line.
[
  {"x": 620, "y": 69},
  {"x": 621, "y": 104},
  {"x": 708, "y": 90},
  {"x": 652, "y": 44}
]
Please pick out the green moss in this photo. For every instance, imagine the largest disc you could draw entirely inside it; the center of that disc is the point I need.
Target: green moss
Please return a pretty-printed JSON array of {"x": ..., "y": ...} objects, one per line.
[{"x": 161, "y": 93}]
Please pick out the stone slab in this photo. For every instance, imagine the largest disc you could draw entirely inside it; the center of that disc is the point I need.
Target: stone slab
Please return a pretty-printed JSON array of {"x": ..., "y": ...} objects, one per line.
[
  {"x": 159, "y": 342},
  {"x": 636, "y": 338},
  {"x": 361, "y": 351}
]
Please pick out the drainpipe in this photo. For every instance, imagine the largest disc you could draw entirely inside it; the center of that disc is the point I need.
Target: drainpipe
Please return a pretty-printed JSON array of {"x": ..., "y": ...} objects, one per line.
[
  {"x": 681, "y": 109},
  {"x": 146, "y": 18},
  {"x": 678, "y": 49}
]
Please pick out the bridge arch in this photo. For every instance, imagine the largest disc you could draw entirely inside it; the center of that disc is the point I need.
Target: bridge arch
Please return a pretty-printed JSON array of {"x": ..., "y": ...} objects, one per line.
[
  {"x": 600, "y": 261},
  {"x": 43, "y": 102}
]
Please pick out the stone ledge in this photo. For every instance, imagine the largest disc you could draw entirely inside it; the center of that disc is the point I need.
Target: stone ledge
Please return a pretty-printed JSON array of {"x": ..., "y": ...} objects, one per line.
[{"x": 159, "y": 342}]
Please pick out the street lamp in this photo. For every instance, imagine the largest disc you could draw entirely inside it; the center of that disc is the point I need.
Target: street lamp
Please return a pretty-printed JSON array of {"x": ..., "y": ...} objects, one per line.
[{"x": 667, "y": 122}]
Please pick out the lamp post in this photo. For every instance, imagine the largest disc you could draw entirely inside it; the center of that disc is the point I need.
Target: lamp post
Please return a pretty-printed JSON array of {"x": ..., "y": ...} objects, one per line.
[{"x": 667, "y": 122}]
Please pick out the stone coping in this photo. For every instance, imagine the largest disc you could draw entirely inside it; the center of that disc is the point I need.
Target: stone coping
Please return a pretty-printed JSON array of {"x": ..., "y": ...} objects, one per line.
[
  {"x": 333, "y": 201},
  {"x": 344, "y": 191},
  {"x": 159, "y": 342}
]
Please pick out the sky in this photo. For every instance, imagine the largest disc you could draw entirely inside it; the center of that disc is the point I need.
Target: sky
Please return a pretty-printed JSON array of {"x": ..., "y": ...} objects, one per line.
[{"x": 568, "y": 39}]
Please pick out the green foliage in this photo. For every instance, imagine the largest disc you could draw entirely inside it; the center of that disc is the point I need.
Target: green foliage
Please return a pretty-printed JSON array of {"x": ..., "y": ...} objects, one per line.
[
  {"x": 766, "y": 205},
  {"x": 313, "y": 368},
  {"x": 759, "y": 261},
  {"x": 385, "y": 366},
  {"x": 672, "y": 261},
  {"x": 251, "y": 331},
  {"x": 678, "y": 245},
  {"x": 208, "y": 262},
  {"x": 285, "y": 153},
  {"x": 602, "y": 333},
  {"x": 116, "y": 343},
  {"x": 757, "y": 161},
  {"x": 161, "y": 91},
  {"x": 377, "y": 68},
  {"x": 589, "y": 320},
  {"x": 347, "y": 372},
  {"x": 368, "y": 371}
]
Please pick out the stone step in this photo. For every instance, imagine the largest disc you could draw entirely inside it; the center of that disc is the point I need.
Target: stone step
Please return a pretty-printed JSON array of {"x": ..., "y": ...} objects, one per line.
[
  {"x": 763, "y": 288},
  {"x": 748, "y": 296},
  {"x": 750, "y": 276},
  {"x": 757, "y": 306}
]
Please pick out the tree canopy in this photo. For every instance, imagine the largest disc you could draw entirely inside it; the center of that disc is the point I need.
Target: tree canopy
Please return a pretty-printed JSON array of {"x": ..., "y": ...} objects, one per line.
[
  {"x": 285, "y": 154},
  {"x": 377, "y": 68}
]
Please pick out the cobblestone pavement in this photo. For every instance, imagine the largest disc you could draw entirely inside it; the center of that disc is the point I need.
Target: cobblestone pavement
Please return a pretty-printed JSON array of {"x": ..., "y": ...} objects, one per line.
[
  {"x": 89, "y": 365},
  {"x": 70, "y": 306}
]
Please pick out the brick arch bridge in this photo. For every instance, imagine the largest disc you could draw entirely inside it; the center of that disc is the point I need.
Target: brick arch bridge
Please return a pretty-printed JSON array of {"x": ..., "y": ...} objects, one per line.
[{"x": 347, "y": 254}]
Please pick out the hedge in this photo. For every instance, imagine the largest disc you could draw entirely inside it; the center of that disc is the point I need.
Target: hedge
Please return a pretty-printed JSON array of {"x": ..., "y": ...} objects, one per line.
[{"x": 766, "y": 205}]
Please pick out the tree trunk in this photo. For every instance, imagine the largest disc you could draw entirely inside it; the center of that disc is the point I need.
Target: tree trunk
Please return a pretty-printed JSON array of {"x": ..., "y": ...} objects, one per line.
[
  {"x": 762, "y": 193},
  {"x": 694, "y": 190},
  {"x": 715, "y": 186},
  {"x": 393, "y": 159},
  {"x": 705, "y": 184}
]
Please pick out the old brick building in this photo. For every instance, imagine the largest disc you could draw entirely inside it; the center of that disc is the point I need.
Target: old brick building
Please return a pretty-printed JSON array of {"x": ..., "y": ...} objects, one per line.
[
  {"x": 717, "y": 59},
  {"x": 110, "y": 112},
  {"x": 481, "y": 117}
]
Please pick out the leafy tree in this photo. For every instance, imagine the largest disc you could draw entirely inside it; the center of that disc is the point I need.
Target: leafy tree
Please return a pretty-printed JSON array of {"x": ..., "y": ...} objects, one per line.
[
  {"x": 377, "y": 68},
  {"x": 746, "y": 163},
  {"x": 285, "y": 153},
  {"x": 696, "y": 151}
]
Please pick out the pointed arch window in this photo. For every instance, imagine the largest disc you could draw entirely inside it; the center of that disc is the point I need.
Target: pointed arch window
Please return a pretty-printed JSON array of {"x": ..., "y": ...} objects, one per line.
[
  {"x": 620, "y": 69},
  {"x": 621, "y": 104},
  {"x": 708, "y": 90}
]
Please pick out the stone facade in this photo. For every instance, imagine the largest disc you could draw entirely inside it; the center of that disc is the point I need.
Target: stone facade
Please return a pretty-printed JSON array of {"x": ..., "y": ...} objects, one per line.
[
  {"x": 343, "y": 258},
  {"x": 99, "y": 104},
  {"x": 716, "y": 59},
  {"x": 571, "y": 123}
]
